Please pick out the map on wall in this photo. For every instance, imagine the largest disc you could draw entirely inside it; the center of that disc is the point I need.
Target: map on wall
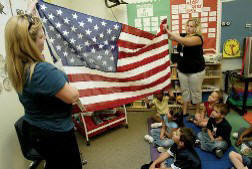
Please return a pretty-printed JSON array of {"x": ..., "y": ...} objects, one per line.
[
  {"x": 205, "y": 10},
  {"x": 148, "y": 15}
]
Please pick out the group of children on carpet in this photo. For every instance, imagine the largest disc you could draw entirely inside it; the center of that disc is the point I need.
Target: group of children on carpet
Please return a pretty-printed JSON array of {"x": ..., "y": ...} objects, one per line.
[{"x": 176, "y": 142}]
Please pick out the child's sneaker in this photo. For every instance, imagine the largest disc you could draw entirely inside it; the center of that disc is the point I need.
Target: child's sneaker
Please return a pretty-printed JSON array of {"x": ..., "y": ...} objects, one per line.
[
  {"x": 197, "y": 142},
  {"x": 156, "y": 125},
  {"x": 161, "y": 149},
  {"x": 245, "y": 150},
  {"x": 235, "y": 135},
  {"x": 149, "y": 138},
  {"x": 218, "y": 153}
]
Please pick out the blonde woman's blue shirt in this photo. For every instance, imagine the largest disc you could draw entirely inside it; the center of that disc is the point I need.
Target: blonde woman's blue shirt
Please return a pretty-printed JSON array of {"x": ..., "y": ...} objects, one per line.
[{"x": 42, "y": 108}]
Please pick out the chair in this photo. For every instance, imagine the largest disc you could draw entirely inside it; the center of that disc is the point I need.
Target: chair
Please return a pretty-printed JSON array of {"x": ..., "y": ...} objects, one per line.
[{"x": 28, "y": 152}]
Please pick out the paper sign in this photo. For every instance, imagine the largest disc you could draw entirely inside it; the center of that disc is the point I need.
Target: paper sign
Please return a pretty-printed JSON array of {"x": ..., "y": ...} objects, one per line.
[
  {"x": 174, "y": 7},
  {"x": 205, "y": 19},
  {"x": 175, "y": 22},
  {"x": 211, "y": 35},
  {"x": 146, "y": 23},
  {"x": 213, "y": 13},
  {"x": 175, "y": 27},
  {"x": 155, "y": 19},
  {"x": 147, "y": 29},
  {"x": 185, "y": 16},
  {"x": 204, "y": 25},
  {"x": 175, "y": 16},
  {"x": 154, "y": 24},
  {"x": 206, "y": 9},
  {"x": 175, "y": 11},
  {"x": 211, "y": 30},
  {"x": 204, "y": 14},
  {"x": 204, "y": 30},
  {"x": 195, "y": 14},
  {"x": 184, "y": 21},
  {"x": 212, "y": 19},
  {"x": 144, "y": 10}
]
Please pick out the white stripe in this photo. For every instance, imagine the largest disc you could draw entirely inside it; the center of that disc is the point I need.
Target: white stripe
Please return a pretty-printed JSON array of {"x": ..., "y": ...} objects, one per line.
[
  {"x": 102, "y": 84},
  {"x": 138, "y": 58},
  {"x": 155, "y": 40},
  {"x": 134, "y": 38},
  {"x": 174, "y": 167},
  {"x": 119, "y": 75},
  {"x": 123, "y": 95}
]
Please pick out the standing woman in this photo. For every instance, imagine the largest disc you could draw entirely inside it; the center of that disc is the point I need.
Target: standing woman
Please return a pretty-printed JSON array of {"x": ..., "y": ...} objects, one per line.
[
  {"x": 191, "y": 65},
  {"x": 44, "y": 92}
]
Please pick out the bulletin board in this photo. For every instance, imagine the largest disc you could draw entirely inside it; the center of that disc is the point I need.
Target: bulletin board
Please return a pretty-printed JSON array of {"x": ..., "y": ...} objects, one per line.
[
  {"x": 147, "y": 16},
  {"x": 238, "y": 14},
  {"x": 206, "y": 10}
]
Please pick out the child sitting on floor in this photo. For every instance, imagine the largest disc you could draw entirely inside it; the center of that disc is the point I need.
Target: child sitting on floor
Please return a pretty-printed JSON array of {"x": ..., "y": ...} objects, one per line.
[
  {"x": 240, "y": 161},
  {"x": 181, "y": 154},
  {"x": 217, "y": 137},
  {"x": 201, "y": 119},
  {"x": 161, "y": 104},
  {"x": 244, "y": 136},
  {"x": 162, "y": 138}
]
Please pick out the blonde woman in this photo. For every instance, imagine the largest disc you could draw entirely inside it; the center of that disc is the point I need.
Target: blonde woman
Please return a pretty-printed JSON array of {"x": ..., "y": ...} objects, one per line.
[
  {"x": 191, "y": 63},
  {"x": 44, "y": 92}
]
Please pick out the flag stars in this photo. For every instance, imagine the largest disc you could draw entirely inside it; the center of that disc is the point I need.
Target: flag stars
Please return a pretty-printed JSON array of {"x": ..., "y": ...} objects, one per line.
[
  {"x": 104, "y": 62},
  {"x": 66, "y": 20},
  {"x": 112, "y": 47},
  {"x": 87, "y": 43},
  {"x": 94, "y": 39},
  {"x": 80, "y": 36},
  {"x": 65, "y": 33},
  {"x": 96, "y": 27},
  {"x": 91, "y": 60},
  {"x": 75, "y": 16},
  {"x": 73, "y": 28},
  {"x": 79, "y": 47},
  {"x": 111, "y": 58},
  {"x": 116, "y": 27},
  {"x": 65, "y": 53},
  {"x": 58, "y": 35},
  {"x": 93, "y": 50},
  {"x": 101, "y": 46},
  {"x": 51, "y": 28},
  {"x": 51, "y": 16},
  {"x": 113, "y": 38},
  {"x": 99, "y": 57},
  {"x": 90, "y": 20},
  {"x": 103, "y": 23},
  {"x": 58, "y": 47},
  {"x": 109, "y": 31},
  {"x": 44, "y": 20},
  {"x": 106, "y": 52},
  {"x": 101, "y": 35},
  {"x": 72, "y": 41},
  {"x": 88, "y": 32},
  {"x": 106, "y": 42},
  {"x": 110, "y": 68},
  {"x": 59, "y": 12},
  {"x": 72, "y": 60},
  {"x": 72, "y": 50},
  {"x": 51, "y": 40},
  {"x": 81, "y": 24},
  {"x": 43, "y": 7},
  {"x": 58, "y": 25},
  {"x": 84, "y": 54}
]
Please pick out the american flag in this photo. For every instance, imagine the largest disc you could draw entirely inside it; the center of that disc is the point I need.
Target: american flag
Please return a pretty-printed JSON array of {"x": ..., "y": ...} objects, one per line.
[{"x": 110, "y": 63}]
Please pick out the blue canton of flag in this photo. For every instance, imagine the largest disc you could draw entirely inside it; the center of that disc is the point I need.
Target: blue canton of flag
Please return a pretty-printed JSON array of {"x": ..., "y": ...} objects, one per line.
[{"x": 80, "y": 39}]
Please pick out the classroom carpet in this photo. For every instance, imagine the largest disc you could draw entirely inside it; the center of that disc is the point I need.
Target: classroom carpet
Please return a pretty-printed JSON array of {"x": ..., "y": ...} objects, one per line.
[
  {"x": 248, "y": 117},
  {"x": 208, "y": 160}
]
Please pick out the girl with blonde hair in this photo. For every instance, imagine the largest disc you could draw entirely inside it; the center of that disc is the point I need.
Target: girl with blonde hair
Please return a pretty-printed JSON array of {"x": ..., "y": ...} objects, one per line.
[
  {"x": 44, "y": 92},
  {"x": 191, "y": 63}
]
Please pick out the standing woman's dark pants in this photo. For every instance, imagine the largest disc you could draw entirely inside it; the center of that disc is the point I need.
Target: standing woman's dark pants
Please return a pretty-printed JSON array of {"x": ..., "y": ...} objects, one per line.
[{"x": 58, "y": 149}]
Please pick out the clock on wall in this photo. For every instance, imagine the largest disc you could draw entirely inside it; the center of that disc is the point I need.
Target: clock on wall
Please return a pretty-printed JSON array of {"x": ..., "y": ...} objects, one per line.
[{"x": 231, "y": 48}]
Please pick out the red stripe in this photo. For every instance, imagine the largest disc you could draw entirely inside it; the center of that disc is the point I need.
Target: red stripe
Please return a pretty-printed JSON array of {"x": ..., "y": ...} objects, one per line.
[
  {"x": 142, "y": 62},
  {"x": 137, "y": 32},
  {"x": 130, "y": 45},
  {"x": 90, "y": 77},
  {"x": 143, "y": 50},
  {"x": 111, "y": 90},
  {"x": 117, "y": 103}
]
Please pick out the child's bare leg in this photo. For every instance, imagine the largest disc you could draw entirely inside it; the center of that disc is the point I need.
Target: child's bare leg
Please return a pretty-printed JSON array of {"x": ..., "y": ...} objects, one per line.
[
  {"x": 203, "y": 123},
  {"x": 156, "y": 118},
  {"x": 236, "y": 159}
]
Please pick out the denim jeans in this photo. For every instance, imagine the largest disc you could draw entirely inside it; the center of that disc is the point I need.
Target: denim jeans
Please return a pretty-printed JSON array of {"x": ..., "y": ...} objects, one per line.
[
  {"x": 166, "y": 142},
  {"x": 169, "y": 161},
  {"x": 207, "y": 145}
]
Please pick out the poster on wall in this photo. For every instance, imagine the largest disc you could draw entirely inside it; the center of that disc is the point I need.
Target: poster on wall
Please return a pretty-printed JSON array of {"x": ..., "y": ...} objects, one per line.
[
  {"x": 205, "y": 10},
  {"x": 148, "y": 15},
  {"x": 231, "y": 48}
]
